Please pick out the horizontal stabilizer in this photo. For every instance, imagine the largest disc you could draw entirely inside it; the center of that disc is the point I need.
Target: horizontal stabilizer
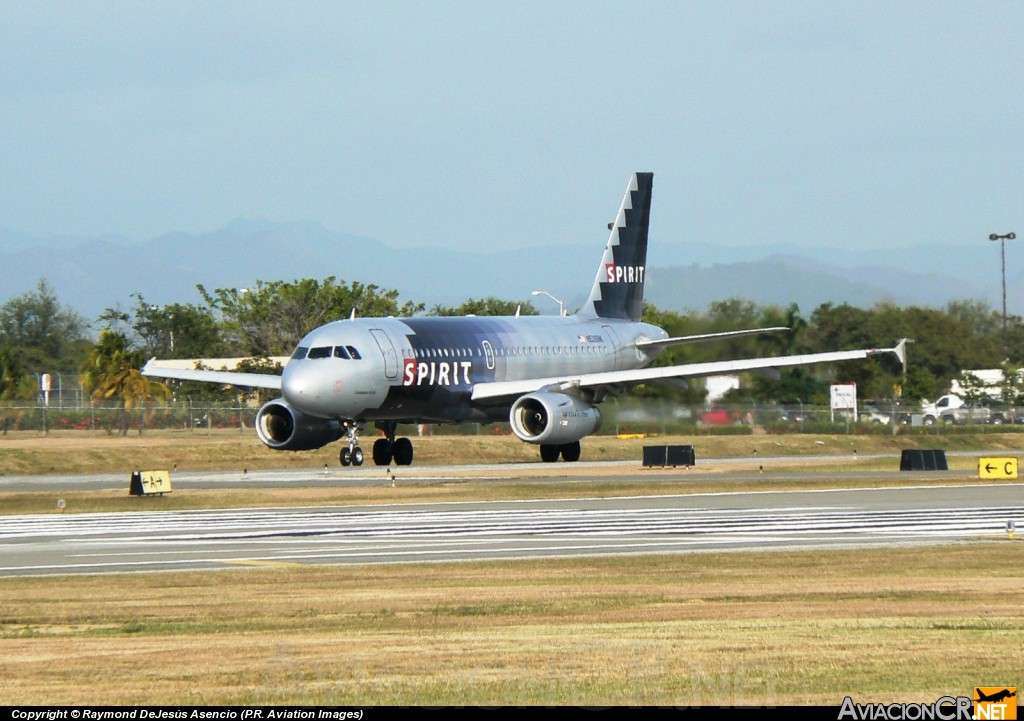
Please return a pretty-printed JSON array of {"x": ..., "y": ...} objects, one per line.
[{"x": 683, "y": 340}]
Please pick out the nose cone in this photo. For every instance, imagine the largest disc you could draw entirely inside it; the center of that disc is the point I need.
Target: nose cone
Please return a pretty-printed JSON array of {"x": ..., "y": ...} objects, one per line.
[{"x": 301, "y": 387}]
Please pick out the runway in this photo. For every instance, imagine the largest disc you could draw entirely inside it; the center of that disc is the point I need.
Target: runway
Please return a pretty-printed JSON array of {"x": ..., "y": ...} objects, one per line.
[{"x": 210, "y": 540}]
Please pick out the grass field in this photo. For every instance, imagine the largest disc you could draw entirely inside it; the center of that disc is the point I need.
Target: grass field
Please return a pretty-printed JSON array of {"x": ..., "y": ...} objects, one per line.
[
  {"x": 779, "y": 628},
  {"x": 882, "y": 625}
]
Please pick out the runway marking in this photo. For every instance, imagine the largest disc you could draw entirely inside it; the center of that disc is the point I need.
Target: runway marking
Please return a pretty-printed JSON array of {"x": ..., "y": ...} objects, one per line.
[{"x": 268, "y": 537}]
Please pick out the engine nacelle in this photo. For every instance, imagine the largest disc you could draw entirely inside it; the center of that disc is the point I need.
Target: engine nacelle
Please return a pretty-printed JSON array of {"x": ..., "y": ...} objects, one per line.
[
  {"x": 553, "y": 418},
  {"x": 283, "y": 428}
]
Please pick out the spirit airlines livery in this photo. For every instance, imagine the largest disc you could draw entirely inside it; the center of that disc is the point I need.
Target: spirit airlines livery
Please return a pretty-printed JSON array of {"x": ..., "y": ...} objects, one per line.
[{"x": 546, "y": 375}]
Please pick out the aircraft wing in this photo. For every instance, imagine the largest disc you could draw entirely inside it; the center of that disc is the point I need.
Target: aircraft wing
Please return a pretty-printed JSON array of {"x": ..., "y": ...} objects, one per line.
[
  {"x": 229, "y": 378},
  {"x": 511, "y": 389}
]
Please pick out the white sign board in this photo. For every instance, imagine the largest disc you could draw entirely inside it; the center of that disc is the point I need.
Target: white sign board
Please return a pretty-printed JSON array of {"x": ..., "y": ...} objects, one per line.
[{"x": 844, "y": 398}]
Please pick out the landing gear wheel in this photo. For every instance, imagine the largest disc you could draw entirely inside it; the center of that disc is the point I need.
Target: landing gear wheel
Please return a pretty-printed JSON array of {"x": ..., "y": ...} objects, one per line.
[
  {"x": 351, "y": 454},
  {"x": 382, "y": 452},
  {"x": 549, "y": 453},
  {"x": 571, "y": 452},
  {"x": 402, "y": 451}
]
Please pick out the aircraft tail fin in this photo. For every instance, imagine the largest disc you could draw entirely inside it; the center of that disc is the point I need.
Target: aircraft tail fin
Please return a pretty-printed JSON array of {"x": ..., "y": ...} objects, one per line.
[{"x": 618, "y": 290}]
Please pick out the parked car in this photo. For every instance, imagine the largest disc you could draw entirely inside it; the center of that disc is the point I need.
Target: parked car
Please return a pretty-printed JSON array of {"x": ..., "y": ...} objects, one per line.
[
  {"x": 796, "y": 414},
  {"x": 872, "y": 414},
  {"x": 881, "y": 412},
  {"x": 724, "y": 417},
  {"x": 976, "y": 413}
]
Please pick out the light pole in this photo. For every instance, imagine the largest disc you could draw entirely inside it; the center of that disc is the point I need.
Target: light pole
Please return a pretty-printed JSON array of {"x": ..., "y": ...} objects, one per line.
[
  {"x": 1002, "y": 251},
  {"x": 561, "y": 306}
]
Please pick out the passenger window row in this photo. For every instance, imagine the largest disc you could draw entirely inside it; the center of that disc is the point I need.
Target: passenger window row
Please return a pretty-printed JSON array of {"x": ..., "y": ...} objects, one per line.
[
  {"x": 348, "y": 352},
  {"x": 513, "y": 351}
]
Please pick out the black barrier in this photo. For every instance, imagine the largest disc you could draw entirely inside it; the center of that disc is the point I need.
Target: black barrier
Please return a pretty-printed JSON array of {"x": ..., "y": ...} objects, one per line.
[
  {"x": 928, "y": 460},
  {"x": 135, "y": 486},
  {"x": 669, "y": 456}
]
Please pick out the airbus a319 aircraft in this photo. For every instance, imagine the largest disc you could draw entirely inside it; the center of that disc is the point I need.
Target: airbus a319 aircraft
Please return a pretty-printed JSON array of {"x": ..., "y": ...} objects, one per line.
[{"x": 545, "y": 375}]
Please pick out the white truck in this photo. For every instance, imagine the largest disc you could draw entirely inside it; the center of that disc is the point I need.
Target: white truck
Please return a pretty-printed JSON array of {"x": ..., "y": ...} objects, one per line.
[
  {"x": 944, "y": 404},
  {"x": 986, "y": 384}
]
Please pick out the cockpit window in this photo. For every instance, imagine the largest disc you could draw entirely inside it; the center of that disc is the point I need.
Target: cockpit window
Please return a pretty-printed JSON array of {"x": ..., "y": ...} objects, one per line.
[
  {"x": 353, "y": 352},
  {"x": 340, "y": 352},
  {"x": 322, "y": 352},
  {"x": 299, "y": 353}
]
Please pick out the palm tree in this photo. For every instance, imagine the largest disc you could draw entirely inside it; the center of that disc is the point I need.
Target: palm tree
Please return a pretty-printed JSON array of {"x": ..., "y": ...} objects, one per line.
[
  {"x": 111, "y": 370},
  {"x": 15, "y": 382}
]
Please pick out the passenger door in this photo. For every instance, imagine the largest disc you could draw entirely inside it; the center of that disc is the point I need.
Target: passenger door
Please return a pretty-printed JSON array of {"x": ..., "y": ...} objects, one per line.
[{"x": 387, "y": 349}]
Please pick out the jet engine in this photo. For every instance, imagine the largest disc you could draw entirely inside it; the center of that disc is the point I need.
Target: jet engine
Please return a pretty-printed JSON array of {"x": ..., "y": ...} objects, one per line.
[
  {"x": 283, "y": 428},
  {"x": 553, "y": 418}
]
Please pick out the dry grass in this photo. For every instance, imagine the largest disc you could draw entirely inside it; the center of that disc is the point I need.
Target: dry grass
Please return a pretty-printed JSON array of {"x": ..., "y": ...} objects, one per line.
[
  {"x": 755, "y": 628},
  {"x": 26, "y": 453}
]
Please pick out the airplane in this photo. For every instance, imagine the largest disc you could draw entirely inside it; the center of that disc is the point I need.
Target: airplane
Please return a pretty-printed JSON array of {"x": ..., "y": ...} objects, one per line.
[
  {"x": 545, "y": 375},
  {"x": 996, "y": 697}
]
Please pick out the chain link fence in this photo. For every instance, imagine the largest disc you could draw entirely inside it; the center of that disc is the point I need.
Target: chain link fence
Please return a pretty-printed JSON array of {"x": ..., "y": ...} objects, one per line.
[
  {"x": 620, "y": 417},
  {"x": 22, "y": 416}
]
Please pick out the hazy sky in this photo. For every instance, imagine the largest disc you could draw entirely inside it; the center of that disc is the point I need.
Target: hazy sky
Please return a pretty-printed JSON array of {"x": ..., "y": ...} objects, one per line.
[{"x": 475, "y": 124}]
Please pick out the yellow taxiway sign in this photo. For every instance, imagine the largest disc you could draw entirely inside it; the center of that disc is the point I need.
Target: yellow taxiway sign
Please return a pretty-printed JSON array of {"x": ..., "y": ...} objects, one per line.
[{"x": 997, "y": 468}]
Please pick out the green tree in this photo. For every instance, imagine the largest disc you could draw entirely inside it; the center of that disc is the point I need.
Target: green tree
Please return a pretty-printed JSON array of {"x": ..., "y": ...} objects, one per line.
[
  {"x": 16, "y": 383},
  {"x": 977, "y": 314},
  {"x": 793, "y": 385},
  {"x": 734, "y": 314},
  {"x": 845, "y": 327},
  {"x": 945, "y": 343},
  {"x": 1012, "y": 387},
  {"x": 486, "y": 306},
  {"x": 50, "y": 336},
  {"x": 270, "y": 318},
  {"x": 112, "y": 371},
  {"x": 177, "y": 330}
]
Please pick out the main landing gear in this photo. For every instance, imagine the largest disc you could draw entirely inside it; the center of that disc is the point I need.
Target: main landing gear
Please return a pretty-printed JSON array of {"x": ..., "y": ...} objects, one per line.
[
  {"x": 386, "y": 450},
  {"x": 570, "y": 452},
  {"x": 390, "y": 449}
]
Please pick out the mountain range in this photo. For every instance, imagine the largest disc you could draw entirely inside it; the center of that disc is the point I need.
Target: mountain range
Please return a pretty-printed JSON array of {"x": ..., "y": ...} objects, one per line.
[{"x": 92, "y": 274}]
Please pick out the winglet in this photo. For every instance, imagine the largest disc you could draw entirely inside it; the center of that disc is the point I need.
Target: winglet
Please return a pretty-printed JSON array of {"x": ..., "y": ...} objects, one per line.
[{"x": 901, "y": 352}]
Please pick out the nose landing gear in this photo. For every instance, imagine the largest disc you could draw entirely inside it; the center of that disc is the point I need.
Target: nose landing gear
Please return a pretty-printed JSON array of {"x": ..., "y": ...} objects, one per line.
[{"x": 351, "y": 454}]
